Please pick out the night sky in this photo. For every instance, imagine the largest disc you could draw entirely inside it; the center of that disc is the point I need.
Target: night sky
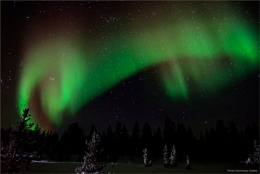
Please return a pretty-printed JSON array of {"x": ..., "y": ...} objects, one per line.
[{"x": 103, "y": 62}]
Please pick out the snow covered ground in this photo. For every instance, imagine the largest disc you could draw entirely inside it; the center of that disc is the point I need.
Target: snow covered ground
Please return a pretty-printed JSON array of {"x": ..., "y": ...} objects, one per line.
[
  {"x": 53, "y": 162},
  {"x": 69, "y": 167}
]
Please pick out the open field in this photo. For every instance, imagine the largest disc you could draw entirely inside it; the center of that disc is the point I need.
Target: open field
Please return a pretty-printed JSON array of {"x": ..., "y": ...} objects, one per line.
[{"x": 69, "y": 167}]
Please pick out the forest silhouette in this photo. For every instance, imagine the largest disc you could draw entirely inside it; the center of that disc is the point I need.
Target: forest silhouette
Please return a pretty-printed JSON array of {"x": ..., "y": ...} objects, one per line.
[{"x": 221, "y": 144}]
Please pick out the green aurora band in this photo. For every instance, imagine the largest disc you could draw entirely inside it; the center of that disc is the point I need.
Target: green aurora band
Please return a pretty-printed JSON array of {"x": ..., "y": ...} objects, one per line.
[{"x": 61, "y": 77}]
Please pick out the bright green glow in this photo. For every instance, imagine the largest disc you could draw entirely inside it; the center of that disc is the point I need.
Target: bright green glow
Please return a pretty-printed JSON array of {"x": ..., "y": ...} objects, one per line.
[
  {"x": 58, "y": 70},
  {"x": 174, "y": 82},
  {"x": 195, "y": 51}
]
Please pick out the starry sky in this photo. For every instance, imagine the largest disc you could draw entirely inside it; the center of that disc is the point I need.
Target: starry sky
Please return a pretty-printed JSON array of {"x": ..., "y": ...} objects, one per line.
[{"x": 103, "y": 62}]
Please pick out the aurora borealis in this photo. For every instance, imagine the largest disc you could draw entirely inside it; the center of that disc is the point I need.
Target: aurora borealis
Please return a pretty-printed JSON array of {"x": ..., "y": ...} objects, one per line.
[{"x": 75, "y": 52}]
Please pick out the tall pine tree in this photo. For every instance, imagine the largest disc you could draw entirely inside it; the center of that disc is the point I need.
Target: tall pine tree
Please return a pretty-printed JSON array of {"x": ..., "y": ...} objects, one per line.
[
  {"x": 135, "y": 141},
  {"x": 93, "y": 160},
  {"x": 173, "y": 157},
  {"x": 166, "y": 159},
  {"x": 17, "y": 155}
]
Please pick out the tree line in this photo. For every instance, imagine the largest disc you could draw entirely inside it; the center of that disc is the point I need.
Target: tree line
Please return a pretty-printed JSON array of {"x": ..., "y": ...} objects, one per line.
[{"x": 220, "y": 144}]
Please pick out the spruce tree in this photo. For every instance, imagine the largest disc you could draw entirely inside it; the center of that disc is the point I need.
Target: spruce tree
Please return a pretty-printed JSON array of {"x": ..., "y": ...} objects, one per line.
[
  {"x": 165, "y": 156},
  {"x": 17, "y": 155},
  {"x": 253, "y": 159},
  {"x": 135, "y": 142},
  {"x": 173, "y": 156},
  {"x": 255, "y": 155},
  {"x": 147, "y": 160},
  {"x": 93, "y": 161}
]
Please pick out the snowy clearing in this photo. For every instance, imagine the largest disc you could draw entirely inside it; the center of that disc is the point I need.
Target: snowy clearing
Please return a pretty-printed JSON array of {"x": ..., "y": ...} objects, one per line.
[{"x": 69, "y": 167}]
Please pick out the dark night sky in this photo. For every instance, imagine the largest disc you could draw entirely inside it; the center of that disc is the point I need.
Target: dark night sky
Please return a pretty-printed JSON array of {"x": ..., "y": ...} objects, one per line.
[{"x": 103, "y": 62}]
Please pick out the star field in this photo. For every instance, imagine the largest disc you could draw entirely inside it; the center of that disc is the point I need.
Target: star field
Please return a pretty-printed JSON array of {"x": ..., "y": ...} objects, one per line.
[{"x": 104, "y": 62}]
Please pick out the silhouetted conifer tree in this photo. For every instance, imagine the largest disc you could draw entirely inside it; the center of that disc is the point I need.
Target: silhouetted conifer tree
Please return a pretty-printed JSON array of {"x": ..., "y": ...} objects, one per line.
[
  {"x": 118, "y": 140},
  {"x": 125, "y": 141},
  {"x": 221, "y": 141},
  {"x": 212, "y": 144},
  {"x": 62, "y": 150},
  {"x": 157, "y": 142},
  {"x": 18, "y": 154},
  {"x": 135, "y": 141},
  {"x": 181, "y": 141},
  {"x": 146, "y": 136},
  {"x": 169, "y": 132},
  {"x": 190, "y": 142},
  {"x": 109, "y": 144},
  {"x": 201, "y": 152},
  {"x": 233, "y": 144},
  {"x": 242, "y": 145}
]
